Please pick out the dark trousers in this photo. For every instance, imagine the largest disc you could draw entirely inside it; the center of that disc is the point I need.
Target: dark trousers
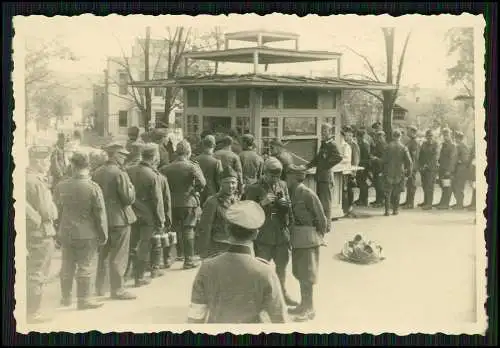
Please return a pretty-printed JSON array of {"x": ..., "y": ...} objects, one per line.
[
  {"x": 184, "y": 220},
  {"x": 38, "y": 260},
  {"x": 113, "y": 259},
  {"x": 324, "y": 190},
  {"x": 378, "y": 183},
  {"x": 280, "y": 254},
  {"x": 392, "y": 196},
  {"x": 446, "y": 192},
  {"x": 361, "y": 179},
  {"x": 428, "y": 182},
  {"x": 458, "y": 186},
  {"x": 348, "y": 193},
  {"x": 79, "y": 258},
  {"x": 411, "y": 188}
]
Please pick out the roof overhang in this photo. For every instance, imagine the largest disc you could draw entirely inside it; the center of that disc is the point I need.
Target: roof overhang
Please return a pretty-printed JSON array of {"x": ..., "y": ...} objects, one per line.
[
  {"x": 267, "y": 36},
  {"x": 463, "y": 97},
  {"x": 265, "y": 81},
  {"x": 266, "y": 55}
]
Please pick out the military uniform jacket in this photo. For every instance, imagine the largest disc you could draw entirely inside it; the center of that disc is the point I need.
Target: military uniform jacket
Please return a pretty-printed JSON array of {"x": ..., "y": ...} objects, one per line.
[
  {"x": 186, "y": 182},
  {"x": 148, "y": 204},
  {"x": 40, "y": 208},
  {"x": 286, "y": 160},
  {"x": 414, "y": 150},
  {"x": 211, "y": 168},
  {"x": 377, "y": 153},
  {"x": 118, "y": 192},
  {"x": 213, "y": 225},
  {"x": 128, "y": 145},
  {"x": 236, "y": 288},
  {"x": 327, "y": 157},
  {"x": 447, "y": 159},
  {"x": 82, "y": 209},
  {"x": 164, "y": 154},
  {"x": 58, "y": 164},
  {"x": 428, "y": 156},
  {"x": 463, "y": 159},
  {"x": 309, "y": 215},
  {"x": 275, "y": 229},
  {"x": 229, "y": 158},
  {"x": 167, "y": 198},
  {"x": 396, "y": 161},
  {"x": 252, "y": 165},
  {"x": 364, "y": 153}
]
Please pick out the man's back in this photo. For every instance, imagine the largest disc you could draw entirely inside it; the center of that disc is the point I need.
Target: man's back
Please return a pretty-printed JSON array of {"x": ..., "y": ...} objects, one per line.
[
  {"x": 81, "y": 208},
  {"x": 211, "y": 168},
  {"x": 237, "y": 288},
  {"x": 395, "y": 159},
  {"x": 252, "y": 165},
  {"x": 185, "y": 178}
]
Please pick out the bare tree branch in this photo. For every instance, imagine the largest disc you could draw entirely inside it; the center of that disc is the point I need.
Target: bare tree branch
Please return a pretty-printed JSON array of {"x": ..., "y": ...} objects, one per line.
[
  {"x": 378, "y": 97},
  {"x": 367, "y": 61},
  {"x": 361, "y": 75},
  {"x": 401, "y": 63}
]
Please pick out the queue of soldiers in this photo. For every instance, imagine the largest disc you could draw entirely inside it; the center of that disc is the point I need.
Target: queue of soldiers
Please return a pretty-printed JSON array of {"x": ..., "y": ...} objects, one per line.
[{"x": 145, "y": 203}]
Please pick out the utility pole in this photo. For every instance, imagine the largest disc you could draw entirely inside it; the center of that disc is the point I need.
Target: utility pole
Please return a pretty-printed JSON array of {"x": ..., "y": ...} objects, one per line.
[{"x": 146, "y": 76}]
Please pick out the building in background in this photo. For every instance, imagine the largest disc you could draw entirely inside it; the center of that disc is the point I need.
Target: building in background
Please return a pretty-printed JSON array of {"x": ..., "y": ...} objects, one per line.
[{"x": 117, "y": 103}]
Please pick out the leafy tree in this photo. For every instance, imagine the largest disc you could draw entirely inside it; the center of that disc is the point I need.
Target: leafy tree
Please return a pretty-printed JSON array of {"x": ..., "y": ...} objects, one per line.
[
  {"x": 387, "y": 98},
  {"x": 461, "y": 45}
]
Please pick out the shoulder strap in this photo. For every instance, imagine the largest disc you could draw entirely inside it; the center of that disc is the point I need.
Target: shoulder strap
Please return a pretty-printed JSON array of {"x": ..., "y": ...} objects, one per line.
[{"x": 263, "y": 260}]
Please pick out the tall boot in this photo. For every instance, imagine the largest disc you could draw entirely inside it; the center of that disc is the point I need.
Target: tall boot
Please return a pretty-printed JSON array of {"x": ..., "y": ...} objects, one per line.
[
  {"x": 156, "y": 258},
  {"x": 189, "y": 253},
  {"x": 66, "y": 291},
  {"x": 387, "y": 204},
  {"x": 445, "y": 198},
  {"x": 139, "y": 269},
  {"x": 83, "y": 294},
  {"x": 410, "y": 198},
  {"x": 288, "y": 299},
  {"x": 303, "y": 300},
  {"x": 395, "y": 197},
  {"x": 167, "y": 262},
  {"x": 308, "y": 312}
]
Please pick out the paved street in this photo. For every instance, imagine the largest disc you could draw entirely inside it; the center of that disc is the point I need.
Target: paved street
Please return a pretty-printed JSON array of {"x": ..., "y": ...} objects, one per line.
[{"x": 427, "y": 277}]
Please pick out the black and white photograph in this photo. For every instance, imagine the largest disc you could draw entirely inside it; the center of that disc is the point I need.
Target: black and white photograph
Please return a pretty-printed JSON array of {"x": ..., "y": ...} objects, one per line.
[{"x": 250, "y": 174}]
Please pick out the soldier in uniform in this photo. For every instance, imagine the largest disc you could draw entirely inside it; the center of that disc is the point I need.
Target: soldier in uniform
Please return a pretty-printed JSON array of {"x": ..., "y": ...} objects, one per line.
[
  {"x": 472, "y": 178},
  {"x": 83, "y": 227},
  {"x": 134, "y": 157},
  {"x": 212, "y": 229},
  {"x": 40, "y": 216},
  {"x": 229, "y": 158},
  {"x": 349, "y": 175},
  {"x": 251, "y": 161},
  {"x": 211, "y": 168},
  {"x": 306, "y": 236},
  {"x": 273, "y": 241},
  {"x": 396, "y": 165},
  {"x": 377, "y": 153},
  {"x": 277, "y": 149},
  {"x": 186, "y": 182},
  {"x": 148, "y": 207},
  {"x": 159, "y": 136},
  {"x": 362, "y": 175},
  {"x": 58, "y": 160},
  {"x": 428, "y": 164},
  {"x": 327, "y": 157},
  {"x": 461, "y": 171},
  {"x": 221, "y": 290},
  {"x": 119, "y": 195},
  {"x": 133, "y": 137},
  {"x": 447, "y": 163},
  {"x": 411, "y": 185}
]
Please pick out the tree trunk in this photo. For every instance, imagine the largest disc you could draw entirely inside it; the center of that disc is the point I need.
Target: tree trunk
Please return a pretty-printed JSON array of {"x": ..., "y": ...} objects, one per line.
[
  {"x": 388, "y": 96},
  {"x": 168, "y": 106},
  {"x": 147, "y": 92}
]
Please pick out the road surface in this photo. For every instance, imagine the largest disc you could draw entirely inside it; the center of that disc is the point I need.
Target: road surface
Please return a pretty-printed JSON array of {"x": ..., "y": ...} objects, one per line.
[{"x": 427, "y": 276}]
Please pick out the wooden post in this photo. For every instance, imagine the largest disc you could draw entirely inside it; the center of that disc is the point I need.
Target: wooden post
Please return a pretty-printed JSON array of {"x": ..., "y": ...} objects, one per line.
[
  {"x": 339, "y": 66},
  {"x": 259, "y": 40},
  {"x": 296, "y": 44},
  {"x": 186, "y": 70},
  {"x": 255, "y": 62},
  {"x": 226, "y": 44}
]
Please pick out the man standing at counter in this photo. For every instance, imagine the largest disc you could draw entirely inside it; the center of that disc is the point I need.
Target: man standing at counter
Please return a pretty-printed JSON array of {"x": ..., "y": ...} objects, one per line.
[{"x": 327, "y": 157}]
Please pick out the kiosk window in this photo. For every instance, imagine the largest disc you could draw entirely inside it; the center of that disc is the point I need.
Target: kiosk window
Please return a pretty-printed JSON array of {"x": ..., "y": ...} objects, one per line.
[
  {"x": 243, "y": 125},
  {"x": 299, "y": 126},
  {"x": 192, "y": 98},
  {"x": 300, "y": 99},
  {"x": 331, "y": 121},
  {"x": 122, "y": 118},
  {"x": 269, "y": 131},
  {"x": 215, "y": 98},
  {"x": 192, "y": 126},
  {"x": 242, "y": 98},
  {"x": 270, "y": 99}
]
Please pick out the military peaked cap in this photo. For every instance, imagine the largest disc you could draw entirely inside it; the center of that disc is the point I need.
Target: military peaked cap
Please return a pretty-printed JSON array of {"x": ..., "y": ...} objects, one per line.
[
  {"x": 115, "y": 147},
  {"x": 208, "y": 141},
  {"x": 273, "y": 164},
  {"x": 39, "y": 151},
  {"x": 277, "y": 143},
  {"x": 295, "y": 169},
  {"x": 247, "y": 214}
]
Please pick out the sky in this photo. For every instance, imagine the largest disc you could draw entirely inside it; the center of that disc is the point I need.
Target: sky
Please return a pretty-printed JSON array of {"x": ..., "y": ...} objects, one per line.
[{"x": 93, "y": 39}]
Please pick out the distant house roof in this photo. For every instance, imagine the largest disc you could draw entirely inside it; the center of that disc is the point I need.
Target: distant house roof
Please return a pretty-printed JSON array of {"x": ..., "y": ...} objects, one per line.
[
  {"x": 399, "y": 107},
  {"x": 263, "y": 80}
]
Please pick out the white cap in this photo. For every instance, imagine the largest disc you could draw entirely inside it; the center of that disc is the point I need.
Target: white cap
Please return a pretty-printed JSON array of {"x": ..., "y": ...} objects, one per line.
[{"x": 246, "y": 214}]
